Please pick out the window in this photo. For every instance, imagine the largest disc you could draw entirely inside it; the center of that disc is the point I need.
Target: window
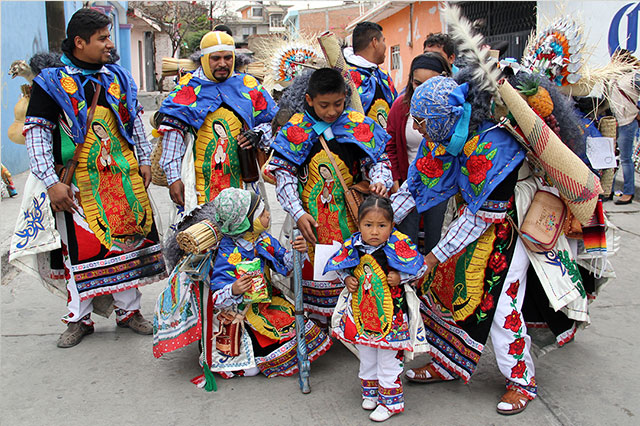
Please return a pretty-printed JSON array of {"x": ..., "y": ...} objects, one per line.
[
  {"x": 256, "y": 12},
  {"x": 275, "y": 20},
  {"x": 395, "y": 57}
]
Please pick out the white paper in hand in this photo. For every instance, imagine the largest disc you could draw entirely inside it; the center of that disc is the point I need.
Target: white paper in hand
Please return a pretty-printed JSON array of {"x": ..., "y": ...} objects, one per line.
[
  {"x": 323, "y": 253},
  {"x": 601, "y": 153}
]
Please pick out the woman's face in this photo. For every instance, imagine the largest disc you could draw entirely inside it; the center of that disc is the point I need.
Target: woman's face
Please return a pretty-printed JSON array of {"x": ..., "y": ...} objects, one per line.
[
  {"x": 325, "y": 172},
  {"x": 100, "y": 131},
  {"x": 421, "y": 75}
]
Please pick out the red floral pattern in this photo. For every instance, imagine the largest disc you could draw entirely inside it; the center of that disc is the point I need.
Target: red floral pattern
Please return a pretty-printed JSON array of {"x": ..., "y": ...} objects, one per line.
[
  {"x": 512, "y": 291},
  {"x": 362, "y": 132},
  {"x": 74, "y": 104},
  {"x": 478, "y": 166},
  {"x": 404, "y": 250},
  {"x": 357, "y": 79},
  {"x": 498, "y": 262},
  {"x": 185, "y": 96},
  {"x": 517, "y": 346},
  {"x": 296, "y": 135},
  {"x": 124, "y": 113},
  {"x": 503, "y": 231},
  {"x": 512, "y": 321},
  {"x": 429, "y": 166},
  {"x": 258, "y": 100},
  {"x": 518, "y": 370},
  {"x": 486, "y": 304}
]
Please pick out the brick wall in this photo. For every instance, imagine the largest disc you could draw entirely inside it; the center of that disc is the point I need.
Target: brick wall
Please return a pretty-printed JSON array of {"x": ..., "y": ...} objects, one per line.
[{"x": 316, "y": 21}]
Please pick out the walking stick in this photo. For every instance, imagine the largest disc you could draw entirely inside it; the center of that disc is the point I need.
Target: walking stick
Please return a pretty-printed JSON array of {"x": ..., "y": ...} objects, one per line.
[{"x": 303, "y": 357}]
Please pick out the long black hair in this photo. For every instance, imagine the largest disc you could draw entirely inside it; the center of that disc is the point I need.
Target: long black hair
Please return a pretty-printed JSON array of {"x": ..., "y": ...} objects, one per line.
[{"x": 429, "y": 61}]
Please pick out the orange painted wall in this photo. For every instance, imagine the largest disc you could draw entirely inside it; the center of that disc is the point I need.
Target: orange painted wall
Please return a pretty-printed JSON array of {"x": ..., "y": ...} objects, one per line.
[{"x": 426, "y": 19}]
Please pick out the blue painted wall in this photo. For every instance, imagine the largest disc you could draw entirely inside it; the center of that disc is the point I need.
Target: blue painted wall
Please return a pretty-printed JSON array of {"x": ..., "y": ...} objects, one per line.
[{"x": 19, "y": 41}]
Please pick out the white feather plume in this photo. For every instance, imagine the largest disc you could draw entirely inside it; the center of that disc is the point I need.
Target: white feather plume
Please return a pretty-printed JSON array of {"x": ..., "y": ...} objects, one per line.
[{"x": 469, "y": 47}]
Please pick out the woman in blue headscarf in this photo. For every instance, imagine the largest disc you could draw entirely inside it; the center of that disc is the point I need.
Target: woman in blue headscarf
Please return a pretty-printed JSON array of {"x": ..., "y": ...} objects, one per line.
[{"x": 476, "y": 281}]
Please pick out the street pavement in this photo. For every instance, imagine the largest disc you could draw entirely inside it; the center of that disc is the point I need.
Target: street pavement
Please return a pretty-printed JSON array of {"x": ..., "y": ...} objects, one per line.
[{"x": 113, "y": 378}]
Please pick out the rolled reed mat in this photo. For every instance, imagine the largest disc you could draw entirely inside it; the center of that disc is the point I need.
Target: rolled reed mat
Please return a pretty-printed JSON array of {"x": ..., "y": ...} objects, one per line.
[{"x": 199, "y": 237}]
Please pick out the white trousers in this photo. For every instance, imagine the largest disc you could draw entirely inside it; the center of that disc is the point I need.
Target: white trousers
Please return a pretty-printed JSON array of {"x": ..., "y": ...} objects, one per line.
[{"x": 380, "y": 371}]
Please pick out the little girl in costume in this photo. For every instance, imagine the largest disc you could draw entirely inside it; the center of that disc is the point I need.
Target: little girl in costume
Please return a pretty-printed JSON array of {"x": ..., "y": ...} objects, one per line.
[
  {"x": 251, "y": 333},
  {"x": 378, "y": 310}
]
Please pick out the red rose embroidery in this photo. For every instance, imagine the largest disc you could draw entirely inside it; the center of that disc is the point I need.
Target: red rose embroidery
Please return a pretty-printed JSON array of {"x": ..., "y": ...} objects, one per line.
[
  {"x": 404, "y": 250},
  {"x": 512, "y": 321},
  {"x": 517, "y": 372},
  {"x": 502, "y": 231},
  {"x": 478, "y": 166},
  {"x": 498, "y": 262},
  {"x": 258, "y": 100},
  {"x": 517, "y": 346},
  {"x": 429, "y": 166},
  {"x": 124, "y": 113},
  {"x": 487, "y": 302},
  {"x": 74, "y": 104},
  {"x": 398, "y": 317},
  {"x": 362, "y": 132},
  {"x": 395, "y": 293},
  {"x": 270, "y": 250},
  {"x": 512, "y": 292},
  {"x": 391, "y": 86},
  {"x": 185, "y": 96},
  {"x": 355, "y": 76},
  {"x": 296, "y": 135}
]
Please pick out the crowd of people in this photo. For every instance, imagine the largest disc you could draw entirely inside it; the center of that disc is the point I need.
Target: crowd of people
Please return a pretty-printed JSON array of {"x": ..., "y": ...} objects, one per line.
[{"x": 405, "y": 280}]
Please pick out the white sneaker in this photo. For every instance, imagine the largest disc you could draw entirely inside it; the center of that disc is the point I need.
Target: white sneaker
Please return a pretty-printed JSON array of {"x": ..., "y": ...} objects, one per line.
[
  {"x": 369, "y": 404},
  {"x": 380, "y": 414},
  {"x": 250, "y": 372}
]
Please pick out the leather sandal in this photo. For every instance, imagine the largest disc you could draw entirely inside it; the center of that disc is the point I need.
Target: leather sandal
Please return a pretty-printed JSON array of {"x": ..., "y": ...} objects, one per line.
[
  {"x": 512, "y": 402},
  {"x": 138, "y": 324},
  {"x": 74, "y": 334},
  {"x": 419, "y": 375}
]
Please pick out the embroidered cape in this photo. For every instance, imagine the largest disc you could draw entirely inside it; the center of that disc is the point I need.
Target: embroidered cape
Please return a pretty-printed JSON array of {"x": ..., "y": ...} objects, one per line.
[
  {"x": 367, "y": 80},
  {"x": 486, "y": 160},
  {"x": 402, "y": 255},
  {"x": 297, "y": 137},
  {"x": 268, "y": 249},
  {"x": 66, "y": 90},
  {"x": 193, "y": 98}
]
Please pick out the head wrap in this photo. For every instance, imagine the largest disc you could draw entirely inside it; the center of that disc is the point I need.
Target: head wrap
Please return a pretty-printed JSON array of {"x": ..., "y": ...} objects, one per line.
[
  {"x": 440, "y": 101},
  {"x": 234, "y": 210},
  {"x": 215, "y": 41}
]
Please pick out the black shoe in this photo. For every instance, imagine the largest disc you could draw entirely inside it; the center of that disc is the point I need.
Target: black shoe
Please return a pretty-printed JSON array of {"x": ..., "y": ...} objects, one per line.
[{"x": 620, "y": 202}]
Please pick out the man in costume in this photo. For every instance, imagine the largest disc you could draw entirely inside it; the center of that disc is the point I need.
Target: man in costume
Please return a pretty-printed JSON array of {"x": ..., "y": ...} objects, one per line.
[
  {"x": 225, "y": 110},
  {"x": 374, "y": 84},
  {"x": 109, "y": 242},
  {"x": 463, "y": 152}
]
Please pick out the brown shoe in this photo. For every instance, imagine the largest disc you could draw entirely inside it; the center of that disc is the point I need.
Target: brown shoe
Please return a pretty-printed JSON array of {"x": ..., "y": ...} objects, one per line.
[
  {"x": 73, "y": 334},
  {"x": 512, "y": 402},
  {"x": 138, "y": 324}
]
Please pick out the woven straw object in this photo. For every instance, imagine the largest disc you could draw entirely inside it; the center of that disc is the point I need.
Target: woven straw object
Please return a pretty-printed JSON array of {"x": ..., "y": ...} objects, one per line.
[
  {"x": 171, "y": 66},
  {"x": 157, "y": 174},
  {"x": 199, "y": 237},
  {"x": 331, "y": 49},
  {"x": 608, "y": 126},
  {"x": 573, "y": 179}
]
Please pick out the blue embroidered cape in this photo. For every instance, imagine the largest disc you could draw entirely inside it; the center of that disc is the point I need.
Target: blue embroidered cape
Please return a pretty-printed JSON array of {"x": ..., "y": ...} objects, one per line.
[
  {"x": 296, "y": 138},
  {"x": 68, "y": 92},
  {"x": 402, "y": 255},
  {"x": 367, "y": 80},
  {"x": 193, "y": 98},
  {"x": 268, "y": 249},
  {"x": 486, "y": 160}
]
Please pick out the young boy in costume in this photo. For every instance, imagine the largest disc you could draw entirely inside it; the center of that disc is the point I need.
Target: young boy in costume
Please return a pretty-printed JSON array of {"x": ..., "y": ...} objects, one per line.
[
  {"x": 307, "y": 184},
  {"x": 378, "y": 312}
]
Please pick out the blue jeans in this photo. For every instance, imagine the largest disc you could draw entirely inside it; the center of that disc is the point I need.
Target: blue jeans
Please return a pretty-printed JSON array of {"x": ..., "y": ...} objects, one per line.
[{"x": 626, "y": 136}]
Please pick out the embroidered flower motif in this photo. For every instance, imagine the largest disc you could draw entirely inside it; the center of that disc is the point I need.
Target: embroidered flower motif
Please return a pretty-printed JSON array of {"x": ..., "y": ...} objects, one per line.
[
  {"x": 362, "y": 132},
  {"x": 404, "y": 250},
  {"x": 114, "y": 90},
  {"x": 74, "y": 104},
  {"x": 512, "y": 321},
  {"x": 355, "y": 77},
  {"x": 517, "y": 346},
  {"x": 512, "y": 292},
  {"x": 69, "y": 85},
  {"x": 235, "y": 257},
  {"x": 258, "y": 100},
  {"x": 429, "y": 166},
  {"x": 478, "y": 166},
  {"x": 355, "y": 117},
  {"x": 502, "y": 231},
  {"x": 342, "y": 256},
  {"x": 185, "y": 96},
  {"x": 518, "y": 370},
  {"x": 250, "y": 81},
  {"x": 296, "y": 118},
  {"x": 124, "y": 113},
  {"x": 296, "y": 135},
  {"x": 498, "y": 262},
  {"x": 391, "y": 86},
  {"x": 185, "y": 79},
  {"x": 487, "y": 302}
]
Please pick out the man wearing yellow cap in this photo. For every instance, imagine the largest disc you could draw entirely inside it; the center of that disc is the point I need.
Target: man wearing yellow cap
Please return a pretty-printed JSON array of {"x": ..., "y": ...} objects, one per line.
[{"x": 225, "y": 112}]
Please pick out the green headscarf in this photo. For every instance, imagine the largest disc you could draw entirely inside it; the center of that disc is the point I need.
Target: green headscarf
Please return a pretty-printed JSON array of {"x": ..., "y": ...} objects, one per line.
[{"x": 234, "y": 210}]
